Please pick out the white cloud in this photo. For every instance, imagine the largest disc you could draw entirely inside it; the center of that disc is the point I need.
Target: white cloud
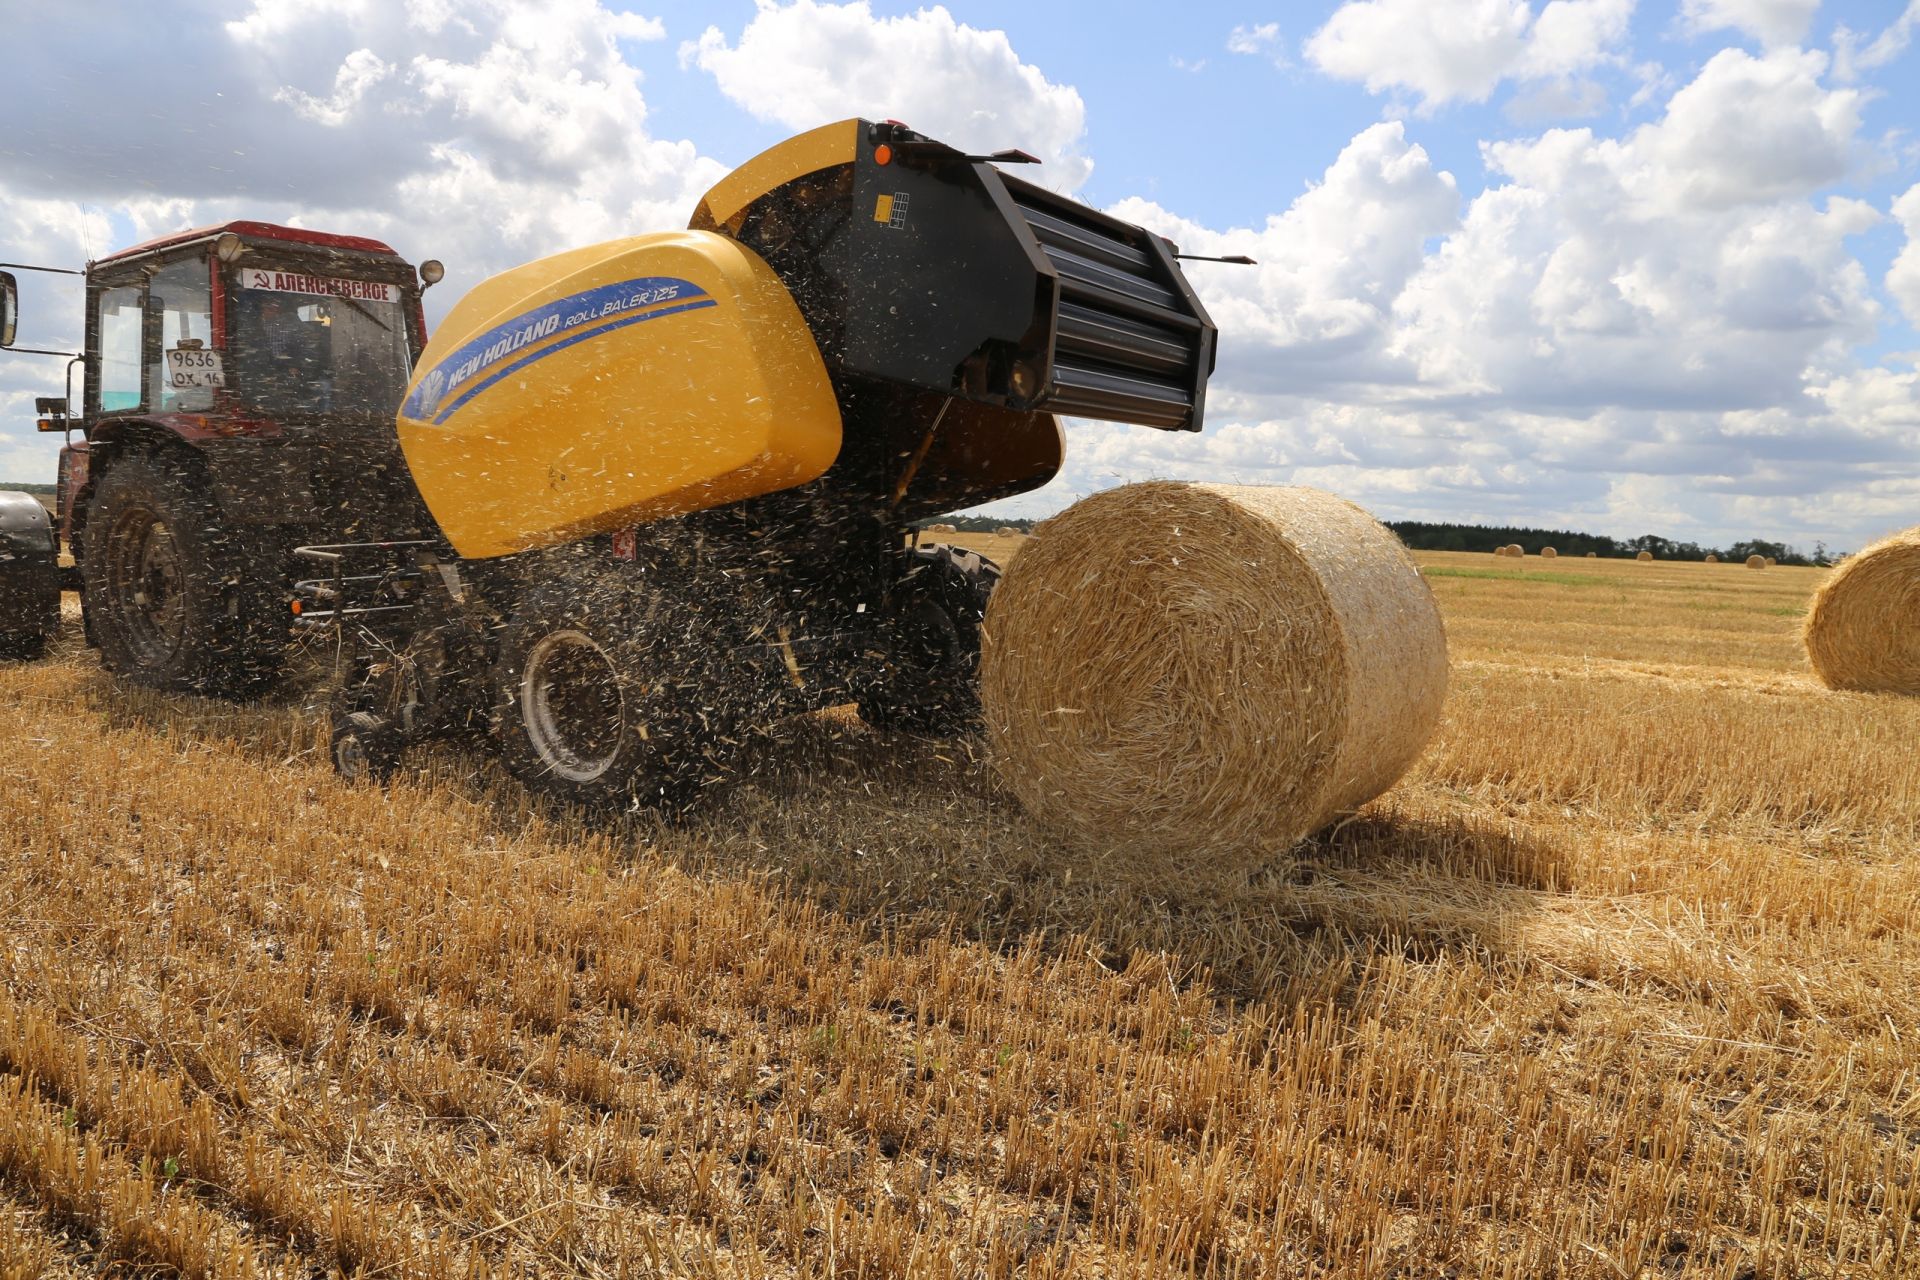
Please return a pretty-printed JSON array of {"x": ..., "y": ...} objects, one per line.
[
  {"x": 361, "y": 71},
  {"x": 1750, "y": 129},
  {"x": 1849, "y": 58},
  {"x": 1316, "y": 311},
  {"x": 1665, "y": 270},
  {"x": 1557, "y": 100},
  {"x": 808, "y": 63},
  {"x": 535, "y": 92},
  {"x": 1903, "y": 279},
  {"x": 1775, "y": 23},
  {"x": 1461, "y": 50},
  {"x": 1261, "y": 41},
  {"x": 1645, "y": 333},
  {"x": 519, "y": 132},
  {"x": 1573, "y": 35}
]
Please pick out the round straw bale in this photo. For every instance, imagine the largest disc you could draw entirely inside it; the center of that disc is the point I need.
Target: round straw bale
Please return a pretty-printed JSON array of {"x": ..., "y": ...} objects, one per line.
[
  {"x": 1771, "y": 562},
  {"x": 1007, "y": 531},
  {"x": 941, "y": 528},
  {"x": 1593, "y": 555},
  {"x": 1548, "y": 553},
  {"x": 1644, "y": 556},
  {"x": 1712, "y": 558},
  {"x": 1756, "y": 562},
  {"x": 1515, "y": 549},
  {"x": 1199, "y": 675},
  {"x": 1863, "y": 628}
]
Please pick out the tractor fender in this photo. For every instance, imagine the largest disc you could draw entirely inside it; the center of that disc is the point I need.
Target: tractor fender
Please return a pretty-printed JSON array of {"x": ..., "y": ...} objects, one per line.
[{"x": 257, "y": 478}]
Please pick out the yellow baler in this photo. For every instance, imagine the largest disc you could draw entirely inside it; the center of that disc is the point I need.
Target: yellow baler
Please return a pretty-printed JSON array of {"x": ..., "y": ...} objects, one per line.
[
  {"x": 610, "y": 386},
  {"x": 678, "y": 475}
]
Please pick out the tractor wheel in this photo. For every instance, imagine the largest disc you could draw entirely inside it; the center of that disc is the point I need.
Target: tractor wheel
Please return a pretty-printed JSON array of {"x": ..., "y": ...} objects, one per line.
[
  {"x": 176, "y": 601},
  {"x": 932, "y": 637},
  {"x": 575, "y": 714},
  {"x": 365, "y": 748}
]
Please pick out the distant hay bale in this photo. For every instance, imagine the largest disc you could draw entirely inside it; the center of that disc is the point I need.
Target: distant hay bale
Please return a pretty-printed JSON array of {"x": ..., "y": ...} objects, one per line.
[
  {"x": 1199, "y": 675},
  {"x": 1863, "y": 628},
  {"x": 1515, "y": 549},
  {"x": 1548, "y": 553},
  {"x": 1756, "y": 562},
  {"x": 1712, "y": 558},
  {"x": 941, "y": 528},
  {"x": 1007, "y": 531},
  {"x": 1771, "y": 562},
  {"x": 1644, "y": 556},
  {"x": 1593, "y": 555}
]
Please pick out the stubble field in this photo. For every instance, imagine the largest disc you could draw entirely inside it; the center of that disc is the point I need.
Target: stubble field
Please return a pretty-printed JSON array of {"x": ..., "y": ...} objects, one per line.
[{"x": 1623, "y": 980}]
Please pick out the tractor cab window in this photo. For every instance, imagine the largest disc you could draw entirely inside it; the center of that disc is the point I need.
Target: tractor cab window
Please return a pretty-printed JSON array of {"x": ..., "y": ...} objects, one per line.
[
  {"x": 182, "y": 375},
  {"x": 119, "y": 325},
  {"x": 318, "y": 345}
]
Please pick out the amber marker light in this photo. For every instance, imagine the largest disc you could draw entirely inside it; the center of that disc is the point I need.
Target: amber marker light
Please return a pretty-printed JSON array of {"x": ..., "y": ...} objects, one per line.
[
  {"x": 294, "y": 605},
  {"x": 883, "y": 154}
]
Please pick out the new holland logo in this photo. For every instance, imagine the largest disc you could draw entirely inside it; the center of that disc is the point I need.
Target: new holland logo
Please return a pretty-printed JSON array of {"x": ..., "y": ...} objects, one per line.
[{"x": 432, "y": 387}]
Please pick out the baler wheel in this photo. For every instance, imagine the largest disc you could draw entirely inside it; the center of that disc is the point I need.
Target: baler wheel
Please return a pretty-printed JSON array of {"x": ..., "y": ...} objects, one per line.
[
  {"x": 932, "y": 681},
  {"x": 575, "y": 713}
]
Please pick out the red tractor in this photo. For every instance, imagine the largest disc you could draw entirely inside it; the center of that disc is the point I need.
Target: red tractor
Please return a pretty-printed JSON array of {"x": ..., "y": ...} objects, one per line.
[{"x": 239, "y": 383}]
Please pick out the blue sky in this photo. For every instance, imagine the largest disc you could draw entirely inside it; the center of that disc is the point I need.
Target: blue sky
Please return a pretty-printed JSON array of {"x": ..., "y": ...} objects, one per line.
[{"x": 1625, "y": 267}]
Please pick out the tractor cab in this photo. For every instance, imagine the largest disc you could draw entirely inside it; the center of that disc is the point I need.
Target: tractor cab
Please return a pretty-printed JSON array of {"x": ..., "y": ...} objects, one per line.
[{"x": 260, "y": 327}]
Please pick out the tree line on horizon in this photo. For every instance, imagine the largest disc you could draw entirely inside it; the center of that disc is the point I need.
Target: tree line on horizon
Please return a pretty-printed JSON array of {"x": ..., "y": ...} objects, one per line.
[{"x": 1424, "y": 535}]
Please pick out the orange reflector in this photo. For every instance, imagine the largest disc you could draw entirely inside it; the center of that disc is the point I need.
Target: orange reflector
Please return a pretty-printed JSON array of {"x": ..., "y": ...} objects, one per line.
[
  {"x": 295, "y": 606},
  {"x": 883, "y": 154}
]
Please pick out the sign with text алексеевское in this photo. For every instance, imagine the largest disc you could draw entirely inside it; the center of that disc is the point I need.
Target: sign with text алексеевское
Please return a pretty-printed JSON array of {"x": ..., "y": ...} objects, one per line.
[{"x": 318, "y": 286}]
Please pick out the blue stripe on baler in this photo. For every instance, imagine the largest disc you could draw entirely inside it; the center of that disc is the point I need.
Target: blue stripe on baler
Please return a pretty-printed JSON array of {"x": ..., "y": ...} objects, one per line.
[
  {"x": 588, "y": 308},
  {"x": 526, "y": 360}
]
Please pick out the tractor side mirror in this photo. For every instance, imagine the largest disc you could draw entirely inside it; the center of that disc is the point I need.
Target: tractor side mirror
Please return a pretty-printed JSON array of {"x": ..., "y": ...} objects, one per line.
[{"x": 9, "y": 308}]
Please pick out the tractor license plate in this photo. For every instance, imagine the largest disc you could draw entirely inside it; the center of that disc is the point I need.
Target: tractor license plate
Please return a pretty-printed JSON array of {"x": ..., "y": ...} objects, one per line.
[{"x": 188, "y": 369}]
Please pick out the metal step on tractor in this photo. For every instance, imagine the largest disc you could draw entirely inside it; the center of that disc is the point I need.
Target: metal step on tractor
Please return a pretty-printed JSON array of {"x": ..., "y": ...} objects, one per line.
[
  {"x": 667, "y": 489},
  {"x": 237, "y": 386}
]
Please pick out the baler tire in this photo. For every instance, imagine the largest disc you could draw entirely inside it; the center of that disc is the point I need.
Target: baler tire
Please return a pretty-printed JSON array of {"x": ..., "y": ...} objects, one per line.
[
  {"x": 221, "y": 641},
  {"x": 574, "y": 716},
  {"x": 946, "y": 697}
]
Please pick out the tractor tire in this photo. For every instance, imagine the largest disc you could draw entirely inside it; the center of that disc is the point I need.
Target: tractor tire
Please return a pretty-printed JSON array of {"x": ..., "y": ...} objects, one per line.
[
  {"x": 932, "y": 635},
  {"x": 577, "y": 715},
  {"x": 176, "y": 600}
]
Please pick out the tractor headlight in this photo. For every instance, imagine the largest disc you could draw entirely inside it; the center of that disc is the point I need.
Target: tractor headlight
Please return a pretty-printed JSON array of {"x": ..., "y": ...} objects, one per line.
[
  {"x": 228, "y": 246},
  {"x": 432, "y": 272}
]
